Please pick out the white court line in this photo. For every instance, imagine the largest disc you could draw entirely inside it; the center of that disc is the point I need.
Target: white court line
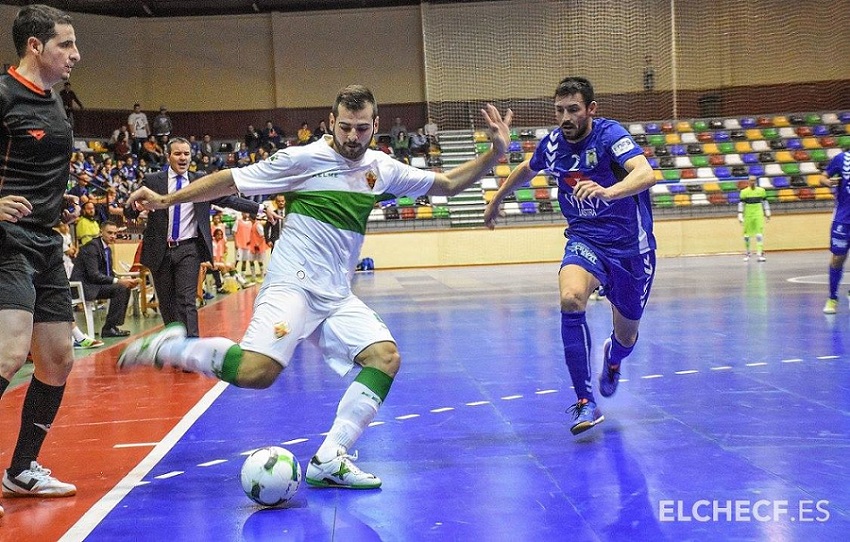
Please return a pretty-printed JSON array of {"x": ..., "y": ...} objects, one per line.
[
  {"x": 756, "y": 364},
  {"x": 407, "y": 417},
  {"x": 442, "y": 409},
  {"x": 86, "y": 524},
  {"x": 688, "y": 372},
  {"x": 810, "y": 279},
  {"x": 137, "y": 445},
  {"x": 212, "y": 463},
  {"x": 294, "y": 441},
  {"x": 792, "y": 360},
  {"x": 168, "y": 475},
  {"x": 827, "y": 357},
  {"x": 721, "y": 368},
  {"x": 478, "y": 403},
  {"x": 544, "y": 392},
  {"x": 373, "y": 424},
  {"x": 511, "y": 397},
  {"x": 649, "y": 377}
]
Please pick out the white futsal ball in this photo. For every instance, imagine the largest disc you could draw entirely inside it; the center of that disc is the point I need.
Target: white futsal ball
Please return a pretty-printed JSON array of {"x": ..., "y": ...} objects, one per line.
[{"x": 271, "y": 476}]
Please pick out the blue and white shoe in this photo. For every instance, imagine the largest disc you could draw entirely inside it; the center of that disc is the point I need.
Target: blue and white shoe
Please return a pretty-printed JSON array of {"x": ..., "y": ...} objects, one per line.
[
  {"x": 585, "y": 415},
  {"x": 143, "y": 351},
  {"x": 610, "y": 376}
]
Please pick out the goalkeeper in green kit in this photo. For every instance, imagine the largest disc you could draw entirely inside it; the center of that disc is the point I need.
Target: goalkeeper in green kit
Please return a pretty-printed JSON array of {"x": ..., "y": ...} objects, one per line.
[{"x": 753, "y": 209}]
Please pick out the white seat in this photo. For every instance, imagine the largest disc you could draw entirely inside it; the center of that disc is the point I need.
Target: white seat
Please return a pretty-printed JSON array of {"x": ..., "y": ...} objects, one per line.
[
  {"x": 683, "y": 162},
  {"x": 78, "y": 296},
  {"x": 660, "y": 189},
  {"x": 773, "y": 170},
  {"x": 734, "y": 160},
  {"x": 807, "y": 168},
  {"x": 689, "y": 137},
  {"x": 699, "y": 199},
  {"x": 761, "y": 145}
]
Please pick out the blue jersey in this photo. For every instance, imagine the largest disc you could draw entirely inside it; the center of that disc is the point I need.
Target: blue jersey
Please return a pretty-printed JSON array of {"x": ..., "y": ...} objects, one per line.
[
  {"x": 840, "y": 165},
  {"x": 622, "y": 227}
]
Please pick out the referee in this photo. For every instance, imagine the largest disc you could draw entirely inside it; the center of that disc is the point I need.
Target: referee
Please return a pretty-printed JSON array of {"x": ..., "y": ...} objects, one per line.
[{"x": 35, "y": 298}]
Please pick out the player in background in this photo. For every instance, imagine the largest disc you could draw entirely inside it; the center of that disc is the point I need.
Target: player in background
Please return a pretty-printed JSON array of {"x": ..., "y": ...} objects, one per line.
[
  {"x": 837, "y": 174},
  {"x": 603, "y": 179},
  {"x": 331, "y": 186},
  {"x": 753, "y": 210}
]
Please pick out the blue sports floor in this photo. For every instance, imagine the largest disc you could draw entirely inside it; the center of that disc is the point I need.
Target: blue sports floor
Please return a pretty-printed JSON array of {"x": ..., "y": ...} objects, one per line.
[{"x": 732, "y": 421}]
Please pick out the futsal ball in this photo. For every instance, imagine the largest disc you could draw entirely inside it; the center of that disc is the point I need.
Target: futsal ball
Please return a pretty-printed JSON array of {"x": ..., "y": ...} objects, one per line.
[{"x": 271, "y": 476}]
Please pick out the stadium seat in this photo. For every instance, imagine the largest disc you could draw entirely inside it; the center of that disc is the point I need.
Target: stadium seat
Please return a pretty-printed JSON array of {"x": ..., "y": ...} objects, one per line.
[
  {"x": 706, "y": 173},
  {"x": 699, "y": 160},
  {"x": 660, "y": 189},
  {"x": 728, "y": 186},
  {"x": 786, "y": 194},
  {"x": 489, "y": 195},
  {"x": 813, "y": 180},
  {"x": 636, "y": 128},
  {"x": 667, "y": 127},
  {"x": 688, "y": 138},
  {"x": 832, "y": 153},
  {"x": 800, "y": 155},
  {"x": 405, "y": 201},
  {"x": 481, "y": 148},
  {"x": 666, "y": 161},
  {"x": 529, "y": 145},
  {"x": 797, "y": 181},
  {"x": 539, "y": 181},
  {"x": 545, "y": 206},
  {"x": 653, "y": 163},
  {"x": 502, "y": 170},
  {"x": 424, "y": 212},
  {"x": 726, "y": 147},
  {"x": 652, "y": 128},
  {"x": 699, "y": 199},
  {"x": 737, "y": 135},
  {"x": 764, "y": 121},
  {"x": 702, "y": 126},
  {"x": 770, "y": 133},
  {"x": 711, "y": 187},
  {"x": 780, "y": 182},
  {"x": 671, "y": 174},
  {"x": 541, "y": 194},
  {"x": 717, "y": 199},
  {"x": 750, "y": 158},
  {"x": 705, "y": 137},
  {"x": 820, "y": 130},
  {"x": 794, "y": 143},
  {"x": 524, "y": 194},
  {"x": 753, "y": 134},
  {"x": 694, "y": 148},
  {"x": 733, "y": 197},
  {"x": 528, "y": 207},
  {"x": 641, "y": 140},
  {"x": 813, "y": 119},
  {"x": 756, "y": 170},
  {"x": 717, "y": 159},
  {"x": 663, "y": 200},
  {"x": 722, "y": 136},
  {"x": 828, "y": 141},
  {"x": 489, "y": 183},
  {"x": 722, "y": 172},
  {"x": 784, "y": 156},
  {"x": 776, "y": 144},
  {"x": 772, "y": 170},
  {"x": 541, "y": 133},
  {"x": 780, "y": 121},
  {"x": 710, "y": 148},
  {"x": 734, "y": 159},
  {"x": 678, "y": 150},
  {"x": 766, "y": 157},
  {"x": 511, "y": 208},
  {"x": 844, "y": 117},
  {"x": 661, "y": 150},
  {"x": 441, "y": 212},
  {"x": 787, "y": 132},
  {"x": 731, "y": 124},
  {"x": 689, "y": 173},
  {"x": 683, "y": 162},
  {"x": 811, "y": 143},
  {"x": 823, "y": 193},
  {"x": 655, "y": 139},
  {"x": 743, "y": 146},
  {"x": 739, "y": 171},
  {"x": 391, "y": 213},
  {"x": 818, "y": 155},
  {"x": 837, "y": 129},
  {"x": 830, "y": 118},
  {"x": 681, "y": 200},
  {"x": 480, "y": 136},
  {"x": 804, "y": 131},
  {"x": 748, "y": 122},
  {"x": 684, "y": 126},
  {"x": 844, "y": 141},
  {"x": 672, "y": 139},
  {"x": 677, "y": 189},
  {"x": 791, "y": 168}
]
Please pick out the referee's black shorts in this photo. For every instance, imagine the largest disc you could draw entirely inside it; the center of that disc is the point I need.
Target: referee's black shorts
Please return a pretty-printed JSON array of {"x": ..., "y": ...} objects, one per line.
[{"x": 32, "y": 275}]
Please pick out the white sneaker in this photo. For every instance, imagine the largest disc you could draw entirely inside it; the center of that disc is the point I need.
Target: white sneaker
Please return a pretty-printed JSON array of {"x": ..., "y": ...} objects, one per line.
[
  {"x": 340, "y": 472},
  {"x": 747, "y": 257},
  {"x": 35, "y": 482},
  {"x": 143, "y": 351},
  {"x": 762, "y": 258}
]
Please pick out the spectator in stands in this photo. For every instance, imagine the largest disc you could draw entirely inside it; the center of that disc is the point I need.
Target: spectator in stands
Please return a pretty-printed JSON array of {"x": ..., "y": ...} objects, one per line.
[
  {"x": 90, "y": 165},
  {"x": 123, "y": 129},
  {"x": 94, "y": 269},
  {"x": 121, "y": 149},
  {"x": 753, "y": 210},
  {"x": 69, "y": 99},
  {"x": 431, "y": 130},
  {"x": 272, "y": 136},
  {"x": 396, "y": 129},
  {"x": 162, "y": 126},
  {"x": 207, "y": 150},
  {"x": 401, "y": 147},
  {"x": 87, "y": 227},
  {"x": 837, "y": 176},
  {"x": 604, "y": 196},
  {"x": 152, "y": 151},
  {"x": 77, "y": 161},
  {"x": 252, "y": 138},
  {"x": 195, "y": 147},
  {"x": 320, "y": 130},
  {"x": 139, "y": 128},
  {"x": 81, "y": 188},
  {"x": 304, "y": 133},
  {"x": 419, "y": 143}
]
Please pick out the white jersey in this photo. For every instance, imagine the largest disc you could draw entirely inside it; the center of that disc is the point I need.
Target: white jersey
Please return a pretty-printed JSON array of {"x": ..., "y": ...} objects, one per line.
[{"x": 328, "y": 201}]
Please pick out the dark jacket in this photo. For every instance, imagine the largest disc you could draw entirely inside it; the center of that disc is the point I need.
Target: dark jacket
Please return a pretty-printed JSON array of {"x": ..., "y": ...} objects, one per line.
[
  {"x": 90, "y": 268},
  {"x": 155, "y": 238}
]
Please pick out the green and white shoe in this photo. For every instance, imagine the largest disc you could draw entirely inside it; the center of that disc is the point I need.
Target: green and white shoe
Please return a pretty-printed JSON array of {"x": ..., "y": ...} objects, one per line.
[
  {"x": 143, "y": 351},
  {"x": 340, "y": 472}
]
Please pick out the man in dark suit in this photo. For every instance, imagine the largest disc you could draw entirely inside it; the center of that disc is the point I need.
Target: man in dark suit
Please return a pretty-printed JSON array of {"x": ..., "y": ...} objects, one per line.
[
  {"x": 93, "y": 268},
  {"x": 178, "y": 239}
]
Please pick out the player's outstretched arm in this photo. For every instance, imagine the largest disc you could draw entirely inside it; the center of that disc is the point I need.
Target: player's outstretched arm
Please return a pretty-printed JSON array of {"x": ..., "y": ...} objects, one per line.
[
  {"x": 209, "y": 187},
  {"x": 463, "y": 176},
  {"x": 519, "y": 175}
]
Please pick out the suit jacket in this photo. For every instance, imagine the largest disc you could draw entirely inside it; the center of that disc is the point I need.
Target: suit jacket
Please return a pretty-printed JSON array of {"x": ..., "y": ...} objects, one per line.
[
  {"x": 90, "y": 268},
  {"x": 156, "y": 232}
]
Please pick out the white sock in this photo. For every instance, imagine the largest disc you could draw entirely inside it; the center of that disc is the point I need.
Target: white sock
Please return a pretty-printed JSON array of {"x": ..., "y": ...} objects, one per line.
[
  {"x": 203, "y": 356},
  {"x": 355, "y": 412},
  {"x": 78, "y": 334}
]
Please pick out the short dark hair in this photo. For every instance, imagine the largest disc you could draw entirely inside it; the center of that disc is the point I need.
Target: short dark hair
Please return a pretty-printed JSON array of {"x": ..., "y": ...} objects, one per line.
[
  {"x": 37, "y": 21},
  {"x": 106, "y": 223},
  {"x": 575, "y": 85},
  {"x": 174, "y": 140},
  {"x": 355, "y": 98}
]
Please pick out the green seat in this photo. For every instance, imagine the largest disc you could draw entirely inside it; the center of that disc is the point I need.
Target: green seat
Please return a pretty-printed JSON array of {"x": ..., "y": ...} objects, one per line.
[
  {"x": 790, "y": 168},
  {"x": 441, "y": 212},
  {"x": 812, "y": 119},
  {"x": 404, "y": 201},
  {"x": 727, "y": 147},
  {"x": 481, "y": 148},
  {"x": 656, "y": 140},
  {"x": 770, "y": 193},
  {"x": 525, "y": 194},
  {"x": 818, "y": 155},
  {"x": 729, "y": 186},
  {"x": 663, "y": 200},
  {"x": 699, "y": 160},
  {"x": 770, "y": 133},
  {"x": 844, "y": 141},
  {"x": 514, "y": 135},
  {"x": 671, "y": 174},
  {"x": 700, "y": 126}
]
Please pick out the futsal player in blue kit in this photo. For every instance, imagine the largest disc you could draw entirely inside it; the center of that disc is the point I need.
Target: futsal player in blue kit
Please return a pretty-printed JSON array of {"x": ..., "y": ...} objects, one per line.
[
  {"x": 837, "y": 173},
  {"x": 603, "y": 181}
]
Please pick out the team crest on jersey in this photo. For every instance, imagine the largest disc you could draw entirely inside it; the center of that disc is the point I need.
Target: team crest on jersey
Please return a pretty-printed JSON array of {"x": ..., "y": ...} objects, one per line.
[
  {"x": 37, "y": 134},
  {"x": 371, "y": 178},
  {"x": 590, "y": 159}
]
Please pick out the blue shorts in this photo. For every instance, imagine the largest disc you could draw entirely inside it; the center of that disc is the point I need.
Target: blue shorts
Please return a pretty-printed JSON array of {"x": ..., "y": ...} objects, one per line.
[
  {"x": 626, "y": 281},
  {"x": 839, "y": 235}
]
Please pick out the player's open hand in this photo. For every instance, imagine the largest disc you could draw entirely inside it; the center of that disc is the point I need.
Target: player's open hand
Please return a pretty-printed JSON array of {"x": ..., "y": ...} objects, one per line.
[
  {"x": 491, "y": 213},
  {"x": 145, "y": 199},
  {"x": 500, "y": 128},
  {"x": 14, "y": 208}
]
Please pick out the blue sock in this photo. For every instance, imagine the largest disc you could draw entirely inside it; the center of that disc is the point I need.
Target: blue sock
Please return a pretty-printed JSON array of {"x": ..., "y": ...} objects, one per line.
[
  {"x": 618, "y": 351},
  {"x": 834, "y": 281},
  {"x": 576, "y": 337}
]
